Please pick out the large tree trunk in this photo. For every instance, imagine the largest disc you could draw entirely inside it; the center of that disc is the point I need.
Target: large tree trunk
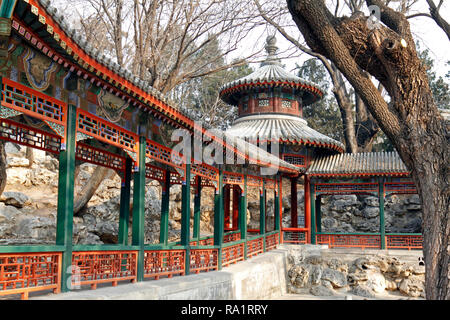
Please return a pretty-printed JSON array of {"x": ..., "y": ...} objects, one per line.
[
  {"x": 99, "y": 174},
  {"x": 2, "y": 167},
  {"x": 411, "y": 121}
]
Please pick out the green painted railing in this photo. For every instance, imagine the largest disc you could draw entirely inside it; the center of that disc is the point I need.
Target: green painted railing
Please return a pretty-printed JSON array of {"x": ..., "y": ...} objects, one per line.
[{"x": 31, "y": 249}]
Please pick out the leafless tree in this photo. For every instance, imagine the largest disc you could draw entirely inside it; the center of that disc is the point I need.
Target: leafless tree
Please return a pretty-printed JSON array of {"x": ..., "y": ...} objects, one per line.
[
  {"x": 164, "y": 42},
  {"x": 411, "y": 120},
  {"x": 360, "y": 129}
]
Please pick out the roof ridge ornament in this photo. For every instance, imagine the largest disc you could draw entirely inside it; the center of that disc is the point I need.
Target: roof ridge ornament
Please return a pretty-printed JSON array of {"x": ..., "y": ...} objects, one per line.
[{"x": 271, "y": 49}]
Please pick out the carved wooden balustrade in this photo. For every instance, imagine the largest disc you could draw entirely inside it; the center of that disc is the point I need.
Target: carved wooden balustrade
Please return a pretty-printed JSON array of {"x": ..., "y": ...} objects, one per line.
[
  {"x": 93, "y": 267},
  {"x": 204, "y": 260},
  {"x": 168, "y": 263}
]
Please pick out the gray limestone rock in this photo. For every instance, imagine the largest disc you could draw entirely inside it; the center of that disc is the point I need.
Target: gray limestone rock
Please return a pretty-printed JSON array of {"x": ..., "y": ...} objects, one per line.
[
  {"x": 16, "y": 199},
  {"x": 362, "y": 291},
  {"x": 337, "y": 278},
  {"x": 321, "y": 291}
]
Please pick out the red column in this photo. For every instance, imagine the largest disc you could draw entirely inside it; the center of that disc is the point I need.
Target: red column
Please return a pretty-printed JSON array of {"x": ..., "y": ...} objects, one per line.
[
  {"x": 307, "y": 207},
  {"x": 294, "y": 210},
  {"x": 236, "y": 198},
  {"x": 226, "y": 206},
  {"x": 280, "y": 199}
]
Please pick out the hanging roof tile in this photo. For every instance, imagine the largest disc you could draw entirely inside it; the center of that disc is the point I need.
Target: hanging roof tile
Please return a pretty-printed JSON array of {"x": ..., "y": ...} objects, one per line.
[
  {"x": 354, "y": 164},
  {"x": 283, "y": 128}
]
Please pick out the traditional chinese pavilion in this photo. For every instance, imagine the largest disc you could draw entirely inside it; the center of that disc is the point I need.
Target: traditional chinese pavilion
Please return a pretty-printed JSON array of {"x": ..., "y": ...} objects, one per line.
[
  {"x": 270, "y": 103},
  {"x": 60, "y": 95}
]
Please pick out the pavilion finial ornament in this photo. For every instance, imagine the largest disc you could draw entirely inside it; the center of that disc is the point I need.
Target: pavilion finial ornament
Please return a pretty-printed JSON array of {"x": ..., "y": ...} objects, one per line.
[{"x": 271, "y": 49}]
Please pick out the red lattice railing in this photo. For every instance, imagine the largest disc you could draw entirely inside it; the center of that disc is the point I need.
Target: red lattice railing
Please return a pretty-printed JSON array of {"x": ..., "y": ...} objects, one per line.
[
  {"x": 400, "y": 188},
  {"x": 233, "y": 178},
  {"x": 164, "y": 263},
  {"x": 206, "y": 242},
  {"x": 93, "y": 267},
  {"x": 204, "y": 260},
  {"x": 155, "y": 173},
  {"x": 32, "y": 102},
  {"x": 404, "y": 241},
  {"x": 253, "y": 181},
  {"x": 295, "y": 236},
  {"x": 295, "y": 159},
  {"x": 272, "y": 241},
  {"x": 346, "y": 188},
  {"x": 255, "y": 247},
  {"x": 232, "y": 237},
  {"x": 205, "y": 171},
  {"x": 271, "y": 184},
  {"x": 99, "y": 157},
  {"x": 232, "y": 254},
  {"x": 28, "y": 136},
  {"x": 21, "y": 273},
  {"x": 163, "y": 154},
  {"x": 349, "y": 240},
  {"x": 106, "y": 131}
]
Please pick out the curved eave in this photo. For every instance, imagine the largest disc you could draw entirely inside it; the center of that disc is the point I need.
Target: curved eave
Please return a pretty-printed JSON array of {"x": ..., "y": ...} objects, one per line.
[
  {"x": 66, "y": 51},
  {"x": 359, "y": 174},
  {"x": 229, "y": 94},
  {"x": 303, "y": 142}
]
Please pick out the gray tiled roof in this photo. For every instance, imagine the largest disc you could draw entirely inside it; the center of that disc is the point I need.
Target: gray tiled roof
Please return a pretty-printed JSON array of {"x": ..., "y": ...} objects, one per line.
[
  {"x": 358, "y": 163},
  {"x": 276, "y": 126},
  {"x": 271, "y": 70},
  {"x": 252, "y": 150}
]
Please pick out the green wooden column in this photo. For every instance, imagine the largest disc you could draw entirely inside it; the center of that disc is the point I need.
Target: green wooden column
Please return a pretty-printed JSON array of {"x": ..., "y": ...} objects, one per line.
[
  {"x": 319, "y": 213},
  {"x": 64, "y": 222},
  {"x": 313, "y": 214},
  {"x": 382, "y": 220},
  {"x": 277, "y": 221},
  {"x": 186, "y": 214},
  {"x": 124, "y": 215},
  {"x": 219, "y": 217},
  {"x": 165, "y": 199},
  {"x": 197, "y": 208},
  {"x": 262, "y": 213},
  {"x": 7, "y": 8},
  {"x": 243, "y": 215},
  {"x": 138, "y": 237},
  {"x": 262, "y": 209}
]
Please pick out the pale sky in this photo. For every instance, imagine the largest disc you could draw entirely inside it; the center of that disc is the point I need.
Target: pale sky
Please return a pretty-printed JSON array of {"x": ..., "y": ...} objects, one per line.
[{"x": 424, "y": 29}]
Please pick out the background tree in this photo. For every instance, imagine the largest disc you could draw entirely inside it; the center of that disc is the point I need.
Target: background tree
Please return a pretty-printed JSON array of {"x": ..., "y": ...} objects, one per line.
[
  {"x": 359, "y": 127},
  {"x": 323, "y": 115},
  {"x": 166, "y": 44},
  {"x": 411, "y": 119}
]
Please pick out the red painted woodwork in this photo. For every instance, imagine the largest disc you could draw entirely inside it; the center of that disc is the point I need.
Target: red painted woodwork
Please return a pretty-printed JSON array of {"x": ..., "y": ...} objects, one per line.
[
  {"x": 349, "y": 240},
  {"x": 404, "y": 241},
  {"x": 236, "y": 196},
  {"x": 294, "y": 208},
  {"x": 203, "y": 260},
  {"x": 32, "y": 102},
  {"x": 226, "y": 207},
  {"x": 231, "y": 237},
  {"x": 96, "y": 267},
  {"x": 28, "y": 136},
  {"x": 295, "y": 235},
  {"x": 255, "y": 247},
  {"x": 307, "y": 207},
  {"x": 168, "y": 263},
  {"x": 400, "y": 188},
  {"x": 21, "y": 273},
  {"x": 232, "y": 254},
  {"x": 346, "y": 188},
  {"x": 272, "y": 241}
]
